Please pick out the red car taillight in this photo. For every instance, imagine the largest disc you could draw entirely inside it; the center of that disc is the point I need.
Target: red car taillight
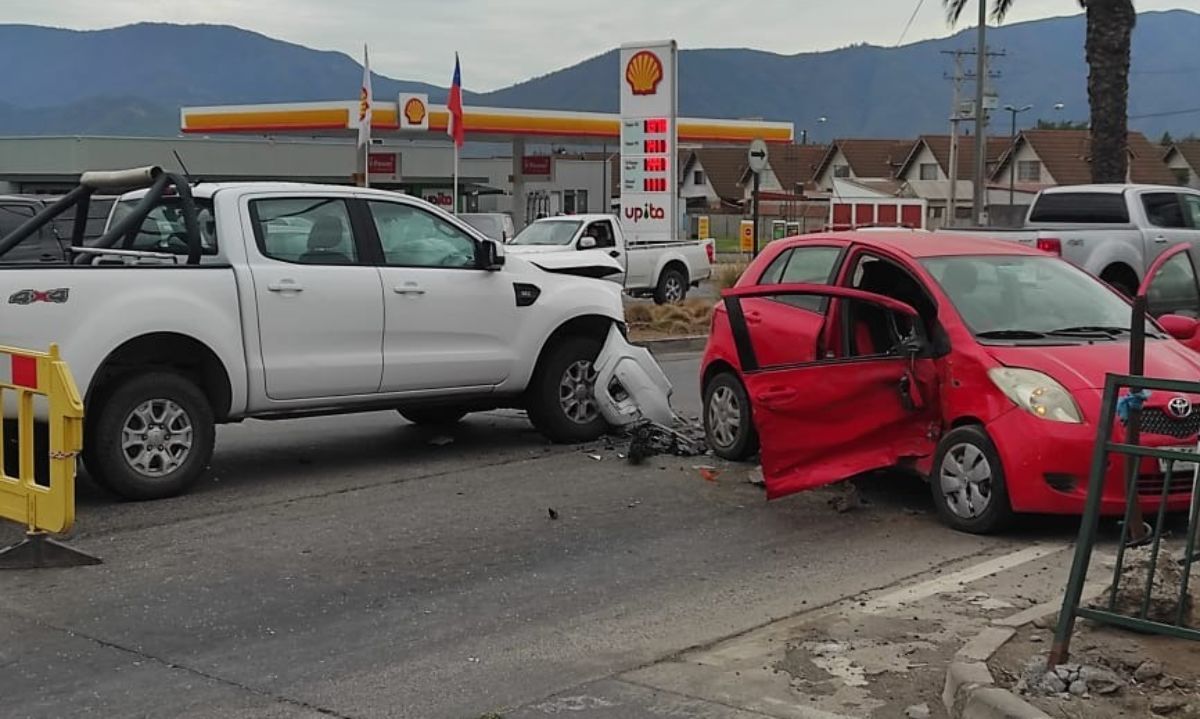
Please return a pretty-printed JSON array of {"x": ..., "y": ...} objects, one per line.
[
  {"x": 711, "y": 249},
  {"x": 1053, "y": 245}
]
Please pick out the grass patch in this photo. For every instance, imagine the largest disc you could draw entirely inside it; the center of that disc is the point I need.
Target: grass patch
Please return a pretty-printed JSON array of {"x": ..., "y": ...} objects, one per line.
[{"x": 647, "y": 321}]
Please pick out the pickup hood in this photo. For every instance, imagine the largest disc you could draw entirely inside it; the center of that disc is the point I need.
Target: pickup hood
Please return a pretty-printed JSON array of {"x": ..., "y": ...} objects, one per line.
[
  {"x": 537, "y": 249},
  {"x": 585, "y": 263},
  {"x": 1079, "y": 367}
]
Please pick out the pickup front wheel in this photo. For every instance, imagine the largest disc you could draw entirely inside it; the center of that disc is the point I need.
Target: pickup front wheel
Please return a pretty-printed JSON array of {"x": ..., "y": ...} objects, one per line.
[
  {"x": 152, "y": 436},
  {"x": 561, "y": 401}
]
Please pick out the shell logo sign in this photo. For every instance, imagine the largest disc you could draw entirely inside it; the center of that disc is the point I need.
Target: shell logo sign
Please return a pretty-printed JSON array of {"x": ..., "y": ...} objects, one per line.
[
  {"x": 643, "y": 73},
  {"x": 414, "y": 111}
]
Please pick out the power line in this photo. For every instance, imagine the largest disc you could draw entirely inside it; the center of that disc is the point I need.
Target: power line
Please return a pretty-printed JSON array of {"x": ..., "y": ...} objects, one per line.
[
  {"x": 1167, "y": 113},
  {"x": 911, "y": 18}
]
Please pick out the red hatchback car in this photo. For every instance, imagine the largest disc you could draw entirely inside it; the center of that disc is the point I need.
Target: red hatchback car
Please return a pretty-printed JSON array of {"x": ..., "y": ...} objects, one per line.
[{"x": 976, "y": 362}]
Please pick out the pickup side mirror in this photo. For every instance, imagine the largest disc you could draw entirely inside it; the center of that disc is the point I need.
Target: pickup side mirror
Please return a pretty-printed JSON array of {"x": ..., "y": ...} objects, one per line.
[
  {"x": 587, "y": 243},
  {"x": 1179, "y": 327},
  {"x": 488, "y": 256}
]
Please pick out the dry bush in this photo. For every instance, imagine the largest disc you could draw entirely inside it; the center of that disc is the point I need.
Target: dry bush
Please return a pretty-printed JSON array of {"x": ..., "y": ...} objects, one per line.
[
  {"x": 727, "y": 275},
  {"x": 639, "y": 314}
]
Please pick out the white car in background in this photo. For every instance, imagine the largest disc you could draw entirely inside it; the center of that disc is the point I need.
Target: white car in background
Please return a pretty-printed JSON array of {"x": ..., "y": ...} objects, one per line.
[{"x": 662, "y": 270}]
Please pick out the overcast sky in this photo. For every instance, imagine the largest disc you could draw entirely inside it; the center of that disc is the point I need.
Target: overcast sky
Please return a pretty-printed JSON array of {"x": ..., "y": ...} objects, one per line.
[{"x": 505, "y": 41}]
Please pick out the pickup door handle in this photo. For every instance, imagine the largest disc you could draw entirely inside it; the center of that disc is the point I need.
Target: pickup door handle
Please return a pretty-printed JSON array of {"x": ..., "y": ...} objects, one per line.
[
  {"x": 776, "y": 395},
  {"x": 408, "y": 290},
  {"x": 1160, "y": 239},
  {"x": 286, "y": 286}
]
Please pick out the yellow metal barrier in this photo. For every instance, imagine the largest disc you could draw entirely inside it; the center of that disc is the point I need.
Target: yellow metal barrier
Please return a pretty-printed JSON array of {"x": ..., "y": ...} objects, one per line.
[{"x": 40, "y": 507}]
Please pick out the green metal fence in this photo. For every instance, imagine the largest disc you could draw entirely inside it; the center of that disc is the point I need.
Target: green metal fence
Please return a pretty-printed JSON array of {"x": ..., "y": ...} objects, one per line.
[{"x": 1133, "y": 530}]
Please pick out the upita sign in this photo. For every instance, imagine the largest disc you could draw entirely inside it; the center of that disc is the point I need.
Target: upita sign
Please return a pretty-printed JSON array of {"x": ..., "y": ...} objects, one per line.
[
  {"x": 439, "y": 198},
  {"x": 648, "y": 211}
]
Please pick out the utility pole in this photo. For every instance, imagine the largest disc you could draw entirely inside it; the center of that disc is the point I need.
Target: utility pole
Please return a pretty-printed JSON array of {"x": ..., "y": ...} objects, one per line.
[
  {"x": 980, "y": 116},
  {"x": 955, "y": 118}
]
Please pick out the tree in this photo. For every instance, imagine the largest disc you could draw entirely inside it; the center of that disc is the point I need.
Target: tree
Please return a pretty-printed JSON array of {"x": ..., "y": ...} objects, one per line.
[
  {"x": 1109, "y": 31},
  {"x": 1061, "y": 125},
  {"x": 1166, "y": 140}
]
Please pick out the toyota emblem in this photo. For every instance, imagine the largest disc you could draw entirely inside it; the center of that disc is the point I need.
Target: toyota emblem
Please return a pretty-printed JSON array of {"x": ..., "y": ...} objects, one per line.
[{"x": 1180, "y": 407}]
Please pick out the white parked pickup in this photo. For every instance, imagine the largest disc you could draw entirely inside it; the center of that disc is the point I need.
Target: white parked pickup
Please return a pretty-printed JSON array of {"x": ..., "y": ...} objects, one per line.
[
  {"x": 662, "y": 270},
  {"x": 1113, "y": 231},
  {"x": 300, "y": 300}
]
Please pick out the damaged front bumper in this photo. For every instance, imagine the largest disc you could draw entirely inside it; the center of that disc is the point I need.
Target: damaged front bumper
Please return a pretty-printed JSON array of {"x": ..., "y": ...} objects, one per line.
[{"x": 631, "y": 387}]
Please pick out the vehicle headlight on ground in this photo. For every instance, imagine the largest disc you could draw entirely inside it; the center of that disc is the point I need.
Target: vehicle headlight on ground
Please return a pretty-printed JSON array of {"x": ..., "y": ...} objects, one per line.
[{"x": 1037, "y": 394}]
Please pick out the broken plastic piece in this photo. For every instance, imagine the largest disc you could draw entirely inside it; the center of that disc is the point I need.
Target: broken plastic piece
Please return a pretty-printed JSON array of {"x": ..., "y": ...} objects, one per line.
[{"x": 630, "y": 384}]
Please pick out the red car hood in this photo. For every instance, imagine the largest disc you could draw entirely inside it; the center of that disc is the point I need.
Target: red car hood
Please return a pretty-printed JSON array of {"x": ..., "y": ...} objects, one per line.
[{"x": 1084, "y": 366}]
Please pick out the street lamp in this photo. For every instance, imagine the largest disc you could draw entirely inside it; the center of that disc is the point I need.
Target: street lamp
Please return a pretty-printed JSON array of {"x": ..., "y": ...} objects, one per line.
[{"x": 1012, "y": 138}]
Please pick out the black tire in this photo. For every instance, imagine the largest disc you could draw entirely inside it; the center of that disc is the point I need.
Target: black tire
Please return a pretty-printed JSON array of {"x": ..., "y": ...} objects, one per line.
[
  {"x": 147, "y": 395},
  {"x": 969, "y": 446},
  {"x": 672, "y": 286},
  {"x": 548, "y": 408},
  {"x": 726, "y": 390},
  {"x": 433, "y": 416}
]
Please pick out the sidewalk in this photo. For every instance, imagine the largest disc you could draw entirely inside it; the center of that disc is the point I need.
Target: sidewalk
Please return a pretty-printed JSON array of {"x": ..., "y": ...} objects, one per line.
[{"x": 887, "y": 654}]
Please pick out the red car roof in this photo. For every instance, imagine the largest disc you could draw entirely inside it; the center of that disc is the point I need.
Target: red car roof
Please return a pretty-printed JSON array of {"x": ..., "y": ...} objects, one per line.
[{"x": 926, "y": 244}]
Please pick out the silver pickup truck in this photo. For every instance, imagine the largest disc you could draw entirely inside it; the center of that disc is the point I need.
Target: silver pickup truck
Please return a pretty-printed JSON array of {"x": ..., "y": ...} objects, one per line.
[{"x": 1114, "y": 232}]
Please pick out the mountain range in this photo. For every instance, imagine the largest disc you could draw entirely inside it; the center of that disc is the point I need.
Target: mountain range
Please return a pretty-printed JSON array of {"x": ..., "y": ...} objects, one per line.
[{"x": 132, "y": 80}]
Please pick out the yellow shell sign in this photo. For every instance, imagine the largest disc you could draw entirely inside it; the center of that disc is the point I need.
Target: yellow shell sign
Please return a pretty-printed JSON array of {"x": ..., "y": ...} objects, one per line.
[
  {"x": 414, "y": 111},
  {"x": 644, "y": 72}
]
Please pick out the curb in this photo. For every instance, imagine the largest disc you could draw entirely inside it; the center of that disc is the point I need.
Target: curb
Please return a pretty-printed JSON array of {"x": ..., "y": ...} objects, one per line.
[
  {"x": 674, "y": 345},
  {"x": 971, "y": 692}
]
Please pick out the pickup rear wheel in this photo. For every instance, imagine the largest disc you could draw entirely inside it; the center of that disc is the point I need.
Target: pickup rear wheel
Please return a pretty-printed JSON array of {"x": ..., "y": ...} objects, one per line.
[
  {"x": 152, "y": 436},
  {"x": 672, "y": 286},
  {"x": 561, "y": 403}
]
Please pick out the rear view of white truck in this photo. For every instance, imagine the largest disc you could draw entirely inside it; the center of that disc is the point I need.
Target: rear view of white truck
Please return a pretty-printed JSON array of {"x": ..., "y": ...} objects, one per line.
[
  {"x": 1114, "y": 232},
  {"x": 215, "y": 303}
]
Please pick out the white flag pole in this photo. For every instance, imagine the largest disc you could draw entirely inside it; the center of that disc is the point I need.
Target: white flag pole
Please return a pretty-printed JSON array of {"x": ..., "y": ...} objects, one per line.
[{"x": 456, "y": 178}]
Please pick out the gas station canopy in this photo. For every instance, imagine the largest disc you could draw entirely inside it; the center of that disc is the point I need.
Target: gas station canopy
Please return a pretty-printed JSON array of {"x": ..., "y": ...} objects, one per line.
[{"x": 483, "y": 124}]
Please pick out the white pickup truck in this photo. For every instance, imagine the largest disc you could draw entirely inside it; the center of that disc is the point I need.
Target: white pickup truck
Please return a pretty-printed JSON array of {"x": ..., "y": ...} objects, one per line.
[
  {"x": 662, "y": 270},
  {"x": 1114, "y": 232},
  {"x": 220, "y": 302}
]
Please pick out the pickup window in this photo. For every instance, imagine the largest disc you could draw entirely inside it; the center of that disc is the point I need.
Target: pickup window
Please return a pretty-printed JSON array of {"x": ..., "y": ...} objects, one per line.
[
  {"x": 1081, "y": 207},
  {"x": 1163, "y": 210},
  {"x": 411, "y": 237},
  {"x": 602, "y": 232},
  {"x": 553, "y": 232},
  {"x": 163, "y": 229},
  {"x": 307, "y": 231}
]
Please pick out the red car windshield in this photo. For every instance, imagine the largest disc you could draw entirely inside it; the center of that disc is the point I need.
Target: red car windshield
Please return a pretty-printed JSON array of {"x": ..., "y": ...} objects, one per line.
[{"x": 1016, "y": 298}]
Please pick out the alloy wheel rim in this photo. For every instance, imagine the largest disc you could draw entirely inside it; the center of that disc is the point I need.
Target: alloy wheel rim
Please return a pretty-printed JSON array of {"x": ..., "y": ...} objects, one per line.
[
  {"x": 724, "y": 416},
  {"x": 674, "y": 289},
  {"x": 965, "y": 477},
  {"x": 156, "y": 437},
  {"x": 575, "y": 392}
]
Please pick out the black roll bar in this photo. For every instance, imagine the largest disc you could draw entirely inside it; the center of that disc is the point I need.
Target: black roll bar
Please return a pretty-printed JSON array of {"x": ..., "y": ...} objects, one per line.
[{"x": 152, "y": 178}]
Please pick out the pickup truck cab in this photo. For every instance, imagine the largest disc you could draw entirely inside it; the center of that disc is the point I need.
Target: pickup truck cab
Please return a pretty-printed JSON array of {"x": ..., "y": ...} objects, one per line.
[
  {"x": 300, "y": 300},
  {"x": 662, "y": 270},
  {"x": 1115, "y": 232}
]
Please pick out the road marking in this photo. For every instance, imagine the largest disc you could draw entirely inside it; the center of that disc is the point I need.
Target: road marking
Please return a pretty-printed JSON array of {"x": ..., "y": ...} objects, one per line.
[{"x": 954, "y": 581}]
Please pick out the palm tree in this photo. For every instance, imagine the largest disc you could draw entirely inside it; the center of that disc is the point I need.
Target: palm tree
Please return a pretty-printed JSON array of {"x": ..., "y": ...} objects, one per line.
[{"x": 1109, "y": 29}]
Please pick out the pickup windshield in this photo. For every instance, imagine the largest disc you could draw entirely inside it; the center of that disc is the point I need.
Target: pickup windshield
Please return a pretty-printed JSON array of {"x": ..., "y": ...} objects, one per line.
[
  {"x": 1036, "y": 299},
  {"x": 163, "y": 229},
  {"x": 554, "y": 232}
]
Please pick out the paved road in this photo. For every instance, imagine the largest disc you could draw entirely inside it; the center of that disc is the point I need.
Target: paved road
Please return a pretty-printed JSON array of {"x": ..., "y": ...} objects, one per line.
[{"x": 352, "y": 567}]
